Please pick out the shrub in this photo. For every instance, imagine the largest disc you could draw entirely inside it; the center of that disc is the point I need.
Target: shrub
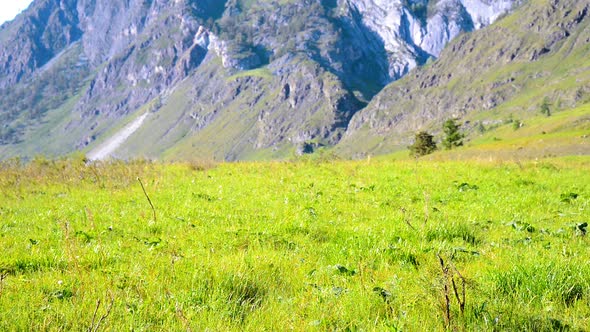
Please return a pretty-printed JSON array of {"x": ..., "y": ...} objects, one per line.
[
  {"x": 545, "y": 107},
  {"x": 516, "y": 124},
  {"x": 481, "y": 128},
  {"x": 424, "y": 144}
]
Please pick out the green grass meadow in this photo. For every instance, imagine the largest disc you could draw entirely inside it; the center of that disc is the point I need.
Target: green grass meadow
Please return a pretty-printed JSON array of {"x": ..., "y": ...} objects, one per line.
[{"x": 307, "y": 245}]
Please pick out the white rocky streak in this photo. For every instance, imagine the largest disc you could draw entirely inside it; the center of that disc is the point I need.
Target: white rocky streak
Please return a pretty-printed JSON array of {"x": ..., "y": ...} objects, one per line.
[
  {"x": 449, "y": 20},
  {"x": 106, "y": 149},
  {"x": 202, "y": 38},
  {"x": 208, "y": 41},
  {"x": 486, "y": 12}
]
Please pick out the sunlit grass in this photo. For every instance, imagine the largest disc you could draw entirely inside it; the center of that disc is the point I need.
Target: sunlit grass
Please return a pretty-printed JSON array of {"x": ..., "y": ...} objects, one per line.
[{"x": 309, "y": 245}]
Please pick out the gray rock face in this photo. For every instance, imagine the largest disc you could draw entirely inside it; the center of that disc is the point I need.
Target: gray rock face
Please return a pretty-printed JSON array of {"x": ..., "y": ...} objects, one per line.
[
  {"x": 485, "y": 12},
  {"x": 110, "y": 27},
  {"x": 35, "y": 38},
  {"x": 232, "y": 55},
  {"x": 318, "y": 62},
  {"x": 412, "y": 31}
]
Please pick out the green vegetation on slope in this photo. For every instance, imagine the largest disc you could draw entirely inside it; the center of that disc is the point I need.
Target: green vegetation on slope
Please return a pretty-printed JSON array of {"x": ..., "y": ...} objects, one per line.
[
  {"x": 564, "y": 133},
  {"x": 544, "y": 55},
  {"x": 303, "y": 246},
  {"x": 23, "y": 107}
]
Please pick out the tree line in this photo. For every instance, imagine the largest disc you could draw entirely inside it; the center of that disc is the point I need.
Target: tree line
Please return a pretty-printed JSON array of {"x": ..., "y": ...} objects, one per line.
[{"x": 424, "y": 142}]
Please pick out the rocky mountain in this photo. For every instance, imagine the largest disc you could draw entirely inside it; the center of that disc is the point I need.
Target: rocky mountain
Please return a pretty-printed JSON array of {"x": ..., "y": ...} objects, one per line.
[
  {"x": 230, "y": 80},
  {"x": 539, "y": 54}
]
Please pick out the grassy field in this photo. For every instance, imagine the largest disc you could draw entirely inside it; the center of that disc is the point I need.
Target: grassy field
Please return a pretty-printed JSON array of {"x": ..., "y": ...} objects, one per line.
[{"x": 308, "y": 245}]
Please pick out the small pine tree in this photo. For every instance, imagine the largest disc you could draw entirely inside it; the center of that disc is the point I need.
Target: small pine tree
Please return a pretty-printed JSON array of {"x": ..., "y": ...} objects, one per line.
[
  {"x": 453, "y": 138},
  {"x": 481, "y": 128},
  {"x": 423, "y": 144},
  {"x": 546, "y": 107}
]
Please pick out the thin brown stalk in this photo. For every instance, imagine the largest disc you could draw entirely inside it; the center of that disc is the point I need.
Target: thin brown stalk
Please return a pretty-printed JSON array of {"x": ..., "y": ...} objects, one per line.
[
  {"x": 148, "y": 198},
  {"x": 407, "y": 220},
  {"x": 2, "y": 277},
  {"x": 447, "y": 303},
  {"x": 460, "y": 298},
  {"x": 99, "y": 180},
  {"x": 182, "y": 317},
  {"x": 106, "y": 314},
  {"x": 90, "y": 329}
]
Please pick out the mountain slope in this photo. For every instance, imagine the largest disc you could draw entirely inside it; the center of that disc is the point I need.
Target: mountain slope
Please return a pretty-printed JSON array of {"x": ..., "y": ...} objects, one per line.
[
  {"x": 230, "y": 79},
  {"x": 506, "y": 70}
]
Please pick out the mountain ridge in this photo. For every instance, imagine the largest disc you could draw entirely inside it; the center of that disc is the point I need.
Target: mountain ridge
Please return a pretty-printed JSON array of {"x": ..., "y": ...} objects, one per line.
[
  {"x": 543, "y": 54},
  {"x": 227, "y": 80}
]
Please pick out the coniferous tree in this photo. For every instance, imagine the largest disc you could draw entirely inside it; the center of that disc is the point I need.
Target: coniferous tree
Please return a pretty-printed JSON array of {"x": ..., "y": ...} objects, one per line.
[
  {"x": 546, "y": 107},
  {"x": 453, "y": 137},
  {"x": 423, "y": 144}
]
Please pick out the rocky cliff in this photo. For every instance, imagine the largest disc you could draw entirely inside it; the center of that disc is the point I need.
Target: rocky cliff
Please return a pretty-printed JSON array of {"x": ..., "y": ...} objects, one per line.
[
  {"x": 413, "y": 31},
  {"x": 504, "y": 71},
  {"x": 234, "y": 79}
]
